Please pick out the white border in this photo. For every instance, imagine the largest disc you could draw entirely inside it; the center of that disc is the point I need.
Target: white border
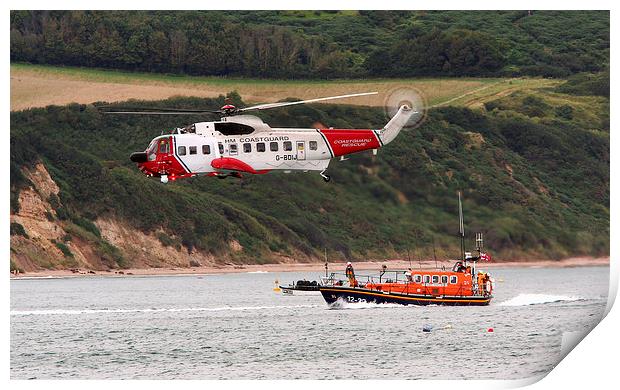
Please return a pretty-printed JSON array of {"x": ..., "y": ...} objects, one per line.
[{"x": 590, "y": 364}]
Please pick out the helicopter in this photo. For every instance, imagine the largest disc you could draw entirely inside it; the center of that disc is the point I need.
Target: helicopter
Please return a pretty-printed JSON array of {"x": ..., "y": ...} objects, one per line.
[{"x": 239, "y": 143}]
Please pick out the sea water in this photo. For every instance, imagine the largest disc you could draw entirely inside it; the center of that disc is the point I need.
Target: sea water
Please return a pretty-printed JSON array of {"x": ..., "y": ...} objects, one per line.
[{"x": 234, "y": 326}]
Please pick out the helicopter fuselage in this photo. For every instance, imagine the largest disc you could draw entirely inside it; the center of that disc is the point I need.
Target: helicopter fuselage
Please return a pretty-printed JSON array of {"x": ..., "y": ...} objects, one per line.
[{"x": 245, "y": 144}]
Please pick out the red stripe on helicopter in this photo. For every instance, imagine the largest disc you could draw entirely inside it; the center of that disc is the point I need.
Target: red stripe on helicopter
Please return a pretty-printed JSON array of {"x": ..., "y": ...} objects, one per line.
[
  {"x": 345, "y": 141},
  {"x": 232, "y": 164}
]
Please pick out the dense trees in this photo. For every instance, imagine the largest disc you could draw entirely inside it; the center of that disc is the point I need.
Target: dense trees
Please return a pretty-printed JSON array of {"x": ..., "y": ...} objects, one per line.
[{"x": 316, "y": 44}]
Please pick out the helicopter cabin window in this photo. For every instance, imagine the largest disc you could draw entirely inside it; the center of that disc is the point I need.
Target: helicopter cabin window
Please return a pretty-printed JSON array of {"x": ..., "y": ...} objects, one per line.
[
  {"x": 230, "y": 128},
  {"x": 273, "y": 146},
  {"x": 417, "y": 278},
  {"x": 193, "y": 150},
  {"x": 181, "y": 150},
  {"x": 232, "y": 149},
  {"x": 444, "y": 279},
  {"x": 313, "y": 145},
  {"x": 260, "y": 147},
  {"x": 288, "y": 146},
  {"x": 435, "y": 279},
  {"x": 247, "y": 148},
  {"x": 427, "y": 278},
  {"x": 206, "y": 149},
  {"x": 164, "y": 147},
  {"x": 453, "y": 279},
  {"x": 220, "y": 147}
]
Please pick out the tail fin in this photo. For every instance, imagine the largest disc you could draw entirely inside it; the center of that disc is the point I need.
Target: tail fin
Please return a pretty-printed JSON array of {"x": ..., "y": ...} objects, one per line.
[{"x": 395, "y": 125}]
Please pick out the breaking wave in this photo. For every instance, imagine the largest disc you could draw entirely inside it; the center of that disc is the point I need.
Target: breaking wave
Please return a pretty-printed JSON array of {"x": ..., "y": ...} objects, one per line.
[
  {"x": 152, "y": 310},
  {"x": 342, "y": 304},
  {"x": 537, "y": 299}
]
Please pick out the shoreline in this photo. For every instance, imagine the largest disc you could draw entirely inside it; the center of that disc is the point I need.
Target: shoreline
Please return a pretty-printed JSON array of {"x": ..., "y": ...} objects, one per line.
[{"x": 308, "y": 267}]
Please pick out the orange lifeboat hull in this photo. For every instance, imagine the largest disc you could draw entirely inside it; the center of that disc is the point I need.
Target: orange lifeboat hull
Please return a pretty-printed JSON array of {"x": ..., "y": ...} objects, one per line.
[{"x": 332, "y": 294}]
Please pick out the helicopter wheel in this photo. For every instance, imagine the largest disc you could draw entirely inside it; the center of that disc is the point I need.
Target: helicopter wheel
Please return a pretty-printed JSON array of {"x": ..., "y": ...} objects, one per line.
[{"x": 327, "y": 178}]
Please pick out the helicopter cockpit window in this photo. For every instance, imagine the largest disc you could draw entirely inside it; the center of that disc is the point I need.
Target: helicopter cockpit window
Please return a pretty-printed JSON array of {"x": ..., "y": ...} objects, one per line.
[
  {"x": 230, "y": 128},
  {"x": 150, "y": 151},
  {"x": 164, "y": 147}
]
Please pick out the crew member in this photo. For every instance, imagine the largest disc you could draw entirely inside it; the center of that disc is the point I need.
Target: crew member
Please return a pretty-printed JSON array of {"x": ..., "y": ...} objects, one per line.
[
  {"x": 408, "y": 275},
  {"x": 481, "y": 285},
  {"x": 351, "y": 275}
]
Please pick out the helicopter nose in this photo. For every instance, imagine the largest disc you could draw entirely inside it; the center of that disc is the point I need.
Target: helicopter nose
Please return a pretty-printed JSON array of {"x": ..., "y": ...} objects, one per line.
[{"x": 138, "y": 157}]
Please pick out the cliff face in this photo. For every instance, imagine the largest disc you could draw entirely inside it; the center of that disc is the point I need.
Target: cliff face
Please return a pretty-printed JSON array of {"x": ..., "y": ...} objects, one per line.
[{"x": 47, "y": 241}]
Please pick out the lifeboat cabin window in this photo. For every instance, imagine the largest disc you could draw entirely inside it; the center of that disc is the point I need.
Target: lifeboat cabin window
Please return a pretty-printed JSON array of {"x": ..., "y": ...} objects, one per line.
[
  {"x": 232, "y": 149},
  {"x": 435, "y": 279},
  {"x": 247, "y": 148},
  {"x": 427, "y": 278},
  {"x": 164, "y": 147},
  {"x": 260, "y": 147},
  {"x": 417, "y": 278},
  {"x": 273, "y": 146},
  {"x": 453, "y": 279},
  {"x": 288, "y": 146},
  {"x": 313, "y": 145},
  {"x": 444, "y": 279},
  {"x": 229, "y": 128},
  {"x": 220, "y": 147},
  {"x": 181, "y": 150},
  {"x": 206, "y": 149},
  {"x": 192, "y": 150}
]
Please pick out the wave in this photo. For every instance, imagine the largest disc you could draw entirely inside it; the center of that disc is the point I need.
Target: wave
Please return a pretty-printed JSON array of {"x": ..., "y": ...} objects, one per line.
[
  {"x": 537, "y": 299},
  {"x": 152, "y": 310},
  {"x": 342, "y": 304}
]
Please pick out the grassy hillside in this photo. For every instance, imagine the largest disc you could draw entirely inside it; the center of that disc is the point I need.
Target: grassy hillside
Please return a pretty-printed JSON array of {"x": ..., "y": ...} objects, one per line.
[
  {"x": 318, "y": 44},
  {"x": 534, "y": 169}
]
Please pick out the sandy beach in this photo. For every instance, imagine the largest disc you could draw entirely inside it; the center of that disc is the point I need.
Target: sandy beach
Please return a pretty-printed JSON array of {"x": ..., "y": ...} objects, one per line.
[{"x": 311, "y": 267}]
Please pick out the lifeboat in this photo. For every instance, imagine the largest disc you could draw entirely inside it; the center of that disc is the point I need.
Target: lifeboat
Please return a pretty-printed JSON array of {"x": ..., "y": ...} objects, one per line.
[{"x": 460, "y": 286}]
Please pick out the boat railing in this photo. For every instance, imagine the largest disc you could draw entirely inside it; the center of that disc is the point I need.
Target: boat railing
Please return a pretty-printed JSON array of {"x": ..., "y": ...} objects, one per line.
[{"x": 340, "y": 278}]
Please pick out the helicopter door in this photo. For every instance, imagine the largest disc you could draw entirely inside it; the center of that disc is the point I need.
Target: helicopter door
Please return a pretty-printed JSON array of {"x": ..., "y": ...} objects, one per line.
[
  {"x": 163, "y": 154},
  {"x": 301, "y": 150}
]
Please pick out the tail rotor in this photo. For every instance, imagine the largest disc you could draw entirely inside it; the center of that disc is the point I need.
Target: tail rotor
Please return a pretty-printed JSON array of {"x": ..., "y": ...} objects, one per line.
[{"x": 410, "y": 97}]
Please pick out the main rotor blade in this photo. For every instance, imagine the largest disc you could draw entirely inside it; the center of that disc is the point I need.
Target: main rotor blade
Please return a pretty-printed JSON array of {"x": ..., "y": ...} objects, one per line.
[
  {"x": 275, "y": 105},
  {"x": 159, "y": 112},
  {"x": 153, "y": 110}
]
